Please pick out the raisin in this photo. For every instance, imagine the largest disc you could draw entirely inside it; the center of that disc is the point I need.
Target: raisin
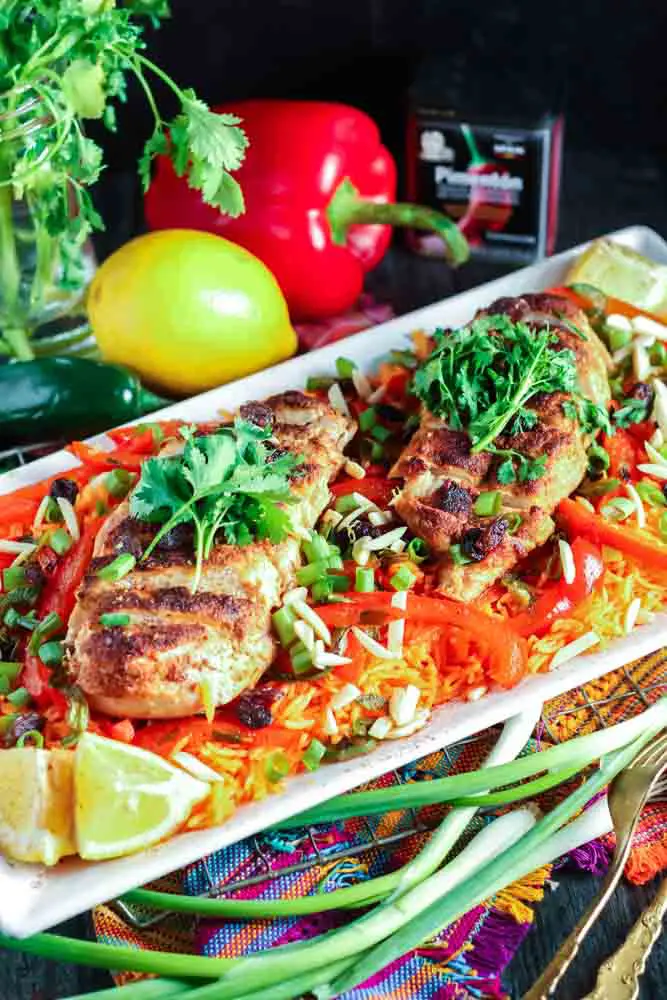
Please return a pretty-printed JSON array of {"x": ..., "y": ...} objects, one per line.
[
  {"x": 642, "y": 391},
  {"x": 452, "y": 499},
  {"x": 67, "y": 489},
  {"x": 254, "y": 707},
  {"x": 35, "y": 575},
  {"x": 477, "y": 543}
]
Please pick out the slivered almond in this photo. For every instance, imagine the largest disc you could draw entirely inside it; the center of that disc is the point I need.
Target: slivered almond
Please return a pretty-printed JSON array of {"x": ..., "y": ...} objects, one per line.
[
  {"x": 637, "y": 500},
  {"x": 403, "y": 704},
  {"x": 337, "y": 399},
  {"x": 69, "y": 517},
  {"x": 654, "y": 454},
  {"x": 649, "y": 327},
  {"x": 419, "y": 721},
  {"x": 631, "y": 615},
  {"x": 567, "y": 561},
  {"x": 345, "y": 697},
  {"x": 330, "y": 726},
  {"x": 355, "y": 470},
  {"x": 40, "y": 514},
  {"x": 361, "y": 384},
  {"x": 310, "y": 616},
  {"x": 575, "y": 648},
  {"x": 651, "y": 469},
  {"x": 373, "y": 647},
  {"x": 377, "y": 394},
  {"x": 296, "y": 594},
  {"x": 306, "y": 633},
  {"x": 380, "y": 728},
  {"x": 641, "y": 363}
]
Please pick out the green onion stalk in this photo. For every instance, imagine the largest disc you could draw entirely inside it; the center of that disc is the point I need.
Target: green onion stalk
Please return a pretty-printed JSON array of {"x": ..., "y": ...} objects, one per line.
[{"x": 423, "y": 901}]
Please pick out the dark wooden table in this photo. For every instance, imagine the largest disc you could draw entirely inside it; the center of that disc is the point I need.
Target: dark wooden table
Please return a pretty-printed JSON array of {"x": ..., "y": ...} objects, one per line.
[{"x": 601, "y": 192}]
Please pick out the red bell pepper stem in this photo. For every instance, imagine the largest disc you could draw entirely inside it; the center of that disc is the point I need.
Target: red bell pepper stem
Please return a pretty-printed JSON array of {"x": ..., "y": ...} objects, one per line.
[{"x": 347, "y": 208}]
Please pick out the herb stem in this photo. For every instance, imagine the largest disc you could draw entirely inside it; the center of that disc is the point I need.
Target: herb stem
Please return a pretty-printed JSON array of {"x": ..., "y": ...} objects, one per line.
[{"x": 162, "y": 76}]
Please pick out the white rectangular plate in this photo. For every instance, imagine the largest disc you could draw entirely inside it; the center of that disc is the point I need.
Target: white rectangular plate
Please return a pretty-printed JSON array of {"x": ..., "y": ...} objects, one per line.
[{"x": 33, "y": 898}]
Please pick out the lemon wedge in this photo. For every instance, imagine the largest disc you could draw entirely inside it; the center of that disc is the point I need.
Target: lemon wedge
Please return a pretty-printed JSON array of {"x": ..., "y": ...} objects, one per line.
[
  {"x": 37, "y": 804},
  {"x": 624, "y": 274},
  {"x": 126, "y": 798}
]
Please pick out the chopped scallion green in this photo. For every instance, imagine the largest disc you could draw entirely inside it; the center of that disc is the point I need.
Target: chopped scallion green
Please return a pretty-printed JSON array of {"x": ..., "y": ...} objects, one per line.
[
  {"x": 380, "y": 433},
  {"x": 60, "y": 541},
  {"x": 417, "y": 550},
  {"x": 364, "y": 580},
  {"x": 51, "y": 653},
  {"x": 514, "y": 522},
  {"x": 10, "y": 670},
  {"x": 651, "y": 493},
  {"x": 33, "y": 738},
  {"x": 458, "y": 556},
  {"x": 19, "y": 698},
  {"x": 488, "y": 504},
  {"x": 114, "y": 618},
  {"x": 277, "y": 767},
  {"x": 322, "y": 589},
  {"x": 403, "y": 578},
  {"x": 598, "y": 459},
  {"x": 283, "y": 622},
  {"x": 46, "y": 627},
  {"x": 13, "y": 576},
  {"x": 118, "y": 567},
  {"x": 618, "y": 509},
  {"x": 316, "y": 548},
  {"x": 368, "y": 418},
  {"x": 618, "y": 338},
  {"x": 301, "y": 658},
  {"x": 335, "y": 560},
  {"x": 339, "y": 582},
  {"x": 345, "y": 367},
  {"x": 118, "y": 482},
  {"x": 316, "y": 382},
  {"x": 13, "y": 619},
  {"x": 599, "y": 487},
  {"x": 309, "y": 574},
  {"x": 658, "y": 354},
  {"x": 313, "y": 755},
  {"x": 377, "y": 451},
  {"x": 346, "y": 504}
]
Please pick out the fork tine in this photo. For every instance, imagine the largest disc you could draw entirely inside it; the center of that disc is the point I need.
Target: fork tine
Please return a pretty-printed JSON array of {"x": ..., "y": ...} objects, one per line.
[{"x": 652, "y": 754}]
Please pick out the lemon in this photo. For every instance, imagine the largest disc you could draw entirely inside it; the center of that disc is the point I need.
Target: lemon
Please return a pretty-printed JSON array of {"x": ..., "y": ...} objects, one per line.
[
  {"x": 624, "y": 274},
  {"x": 37, "y": 804},
  {"x": 127, "y": 798},
  {"x": 188, "y": 311}
]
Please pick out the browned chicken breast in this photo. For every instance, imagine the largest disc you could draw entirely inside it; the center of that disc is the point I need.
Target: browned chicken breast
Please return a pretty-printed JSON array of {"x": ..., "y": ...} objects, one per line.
[
  {"x": 182, "y": 651},
  {"x": 443, "y": 479}
]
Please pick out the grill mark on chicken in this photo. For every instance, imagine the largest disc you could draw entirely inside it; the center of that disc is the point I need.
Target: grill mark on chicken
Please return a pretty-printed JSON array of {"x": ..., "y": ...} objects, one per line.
[
  {"x": 220, "y": 636},
  {"x": 442, "y": 479}
]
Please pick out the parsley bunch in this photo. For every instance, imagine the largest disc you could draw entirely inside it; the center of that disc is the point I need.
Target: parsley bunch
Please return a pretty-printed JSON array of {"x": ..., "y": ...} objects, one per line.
[
  {"x": 63, "y": 62},
  {"x": 481, "y": 378},
  {"x": 232, "y": 482}
]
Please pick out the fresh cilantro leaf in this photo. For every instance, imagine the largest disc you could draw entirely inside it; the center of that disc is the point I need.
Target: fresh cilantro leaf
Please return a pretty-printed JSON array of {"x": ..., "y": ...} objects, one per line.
[
  {"x": 231, "y": 484},
  {"x": 631, "y": 411},
  {"x": 506, "y": 472}
]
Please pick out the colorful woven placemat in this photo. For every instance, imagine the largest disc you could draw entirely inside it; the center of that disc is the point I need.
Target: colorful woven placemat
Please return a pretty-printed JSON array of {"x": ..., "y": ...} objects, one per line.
[{"x": 465, "y": 961}]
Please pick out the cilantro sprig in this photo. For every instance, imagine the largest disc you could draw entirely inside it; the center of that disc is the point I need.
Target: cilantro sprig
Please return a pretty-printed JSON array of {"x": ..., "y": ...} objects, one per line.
[
  {"x": 232, "y": 483},
  {"x": 482, "y": 378},
  {"x": 63, "y": 62}
]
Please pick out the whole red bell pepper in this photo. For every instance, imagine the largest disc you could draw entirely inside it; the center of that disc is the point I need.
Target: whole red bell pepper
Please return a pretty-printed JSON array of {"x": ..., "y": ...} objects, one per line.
[{"x": 319, "y": 189}]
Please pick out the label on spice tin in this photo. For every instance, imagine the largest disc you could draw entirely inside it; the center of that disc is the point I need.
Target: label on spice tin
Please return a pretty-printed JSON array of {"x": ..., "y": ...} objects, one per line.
[{"x": 500, "y": 184}]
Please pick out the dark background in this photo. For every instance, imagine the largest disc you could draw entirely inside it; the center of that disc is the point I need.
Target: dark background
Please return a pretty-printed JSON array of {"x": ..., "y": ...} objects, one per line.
[{"x": 603, "y": 63}]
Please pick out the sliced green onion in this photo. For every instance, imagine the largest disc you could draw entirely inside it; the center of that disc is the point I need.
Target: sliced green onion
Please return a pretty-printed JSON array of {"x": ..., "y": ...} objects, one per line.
[
  {"x": 309, "y": 574},
  {"x": 346, "y": 504},
  {"x": 19, "y": 698},
  {"x": 417, "y": 550},
  {"x": 115, "y": 618},
  {"x": 118, "y": 482},
  {"x": 599, "y": 488},
  {"x": 368, "y": 418},
  {"x": 340, "y": 582},
  {"x": 13, "y": 619},
  {"x": 316, "y": 382},
  {"x": 100, "y": 508},
  {"x": 403, "y": 578},
  {"x": 662, "y": 525},
  {"x": 118, "y": 568},
  {"x": 335, "y": 560},
  {"x": 13, "y": 576},
  {"x": 313, "y": 755},
  {"x": 364, "y": 580},
  {"x": 283, "y": 622},
  {"x": 46, "y": 627},
  {"x": 458, "y": 556},
  {"x": 53, "y": 513},
  {"x": 514, "y": 522},
  {"x": 10, "y": 670},
  {"x": 51, "y": 653},
  {"x": 618, "y": 509},
  {"x": 651, "y": 493},
  {"x": 380, "y": 433},
  {"x": 488, "y": 504},
  {"x": 406, "y": 359},
  {"x": 60, "y": 541},
  {"x": 277, "y": 767},
  {"x": 618, "y": 338},
  {"x": 377, "y": 451},
  {"x": 302, "y": 658},
  {"x": 345, "y": 367},
  {"x": 322, "y": 589},
  {"x": 658, "y": 354},
  {"x": 317, "y": 548},
  {"x": 33, "y": 736},
  {"x": 598, "y": 459},
  {"x": 155, "y": 429}
]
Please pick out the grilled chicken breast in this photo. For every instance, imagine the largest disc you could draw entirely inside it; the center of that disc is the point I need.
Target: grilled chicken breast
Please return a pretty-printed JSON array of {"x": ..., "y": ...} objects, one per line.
[
  {"x": 182, "y": 650},
  {"x": 442, "y": 479}
]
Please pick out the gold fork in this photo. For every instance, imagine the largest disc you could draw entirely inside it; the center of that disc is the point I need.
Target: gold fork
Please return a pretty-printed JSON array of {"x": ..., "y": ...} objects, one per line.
[{"x": 628, "y": 795}]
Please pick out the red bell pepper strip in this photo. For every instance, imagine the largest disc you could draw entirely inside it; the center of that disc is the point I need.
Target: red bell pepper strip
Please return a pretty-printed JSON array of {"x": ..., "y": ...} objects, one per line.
[
  {"x": 622, "y": 450},
  {"x": 577, "y": 520},
  {"x": 559, "y": 599},
  {"x": 378, "y": 489},
  {"x": 506, "y": 649},
  {"x": 319, "y": 190},
  {"x": 59, "y": 595}
]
